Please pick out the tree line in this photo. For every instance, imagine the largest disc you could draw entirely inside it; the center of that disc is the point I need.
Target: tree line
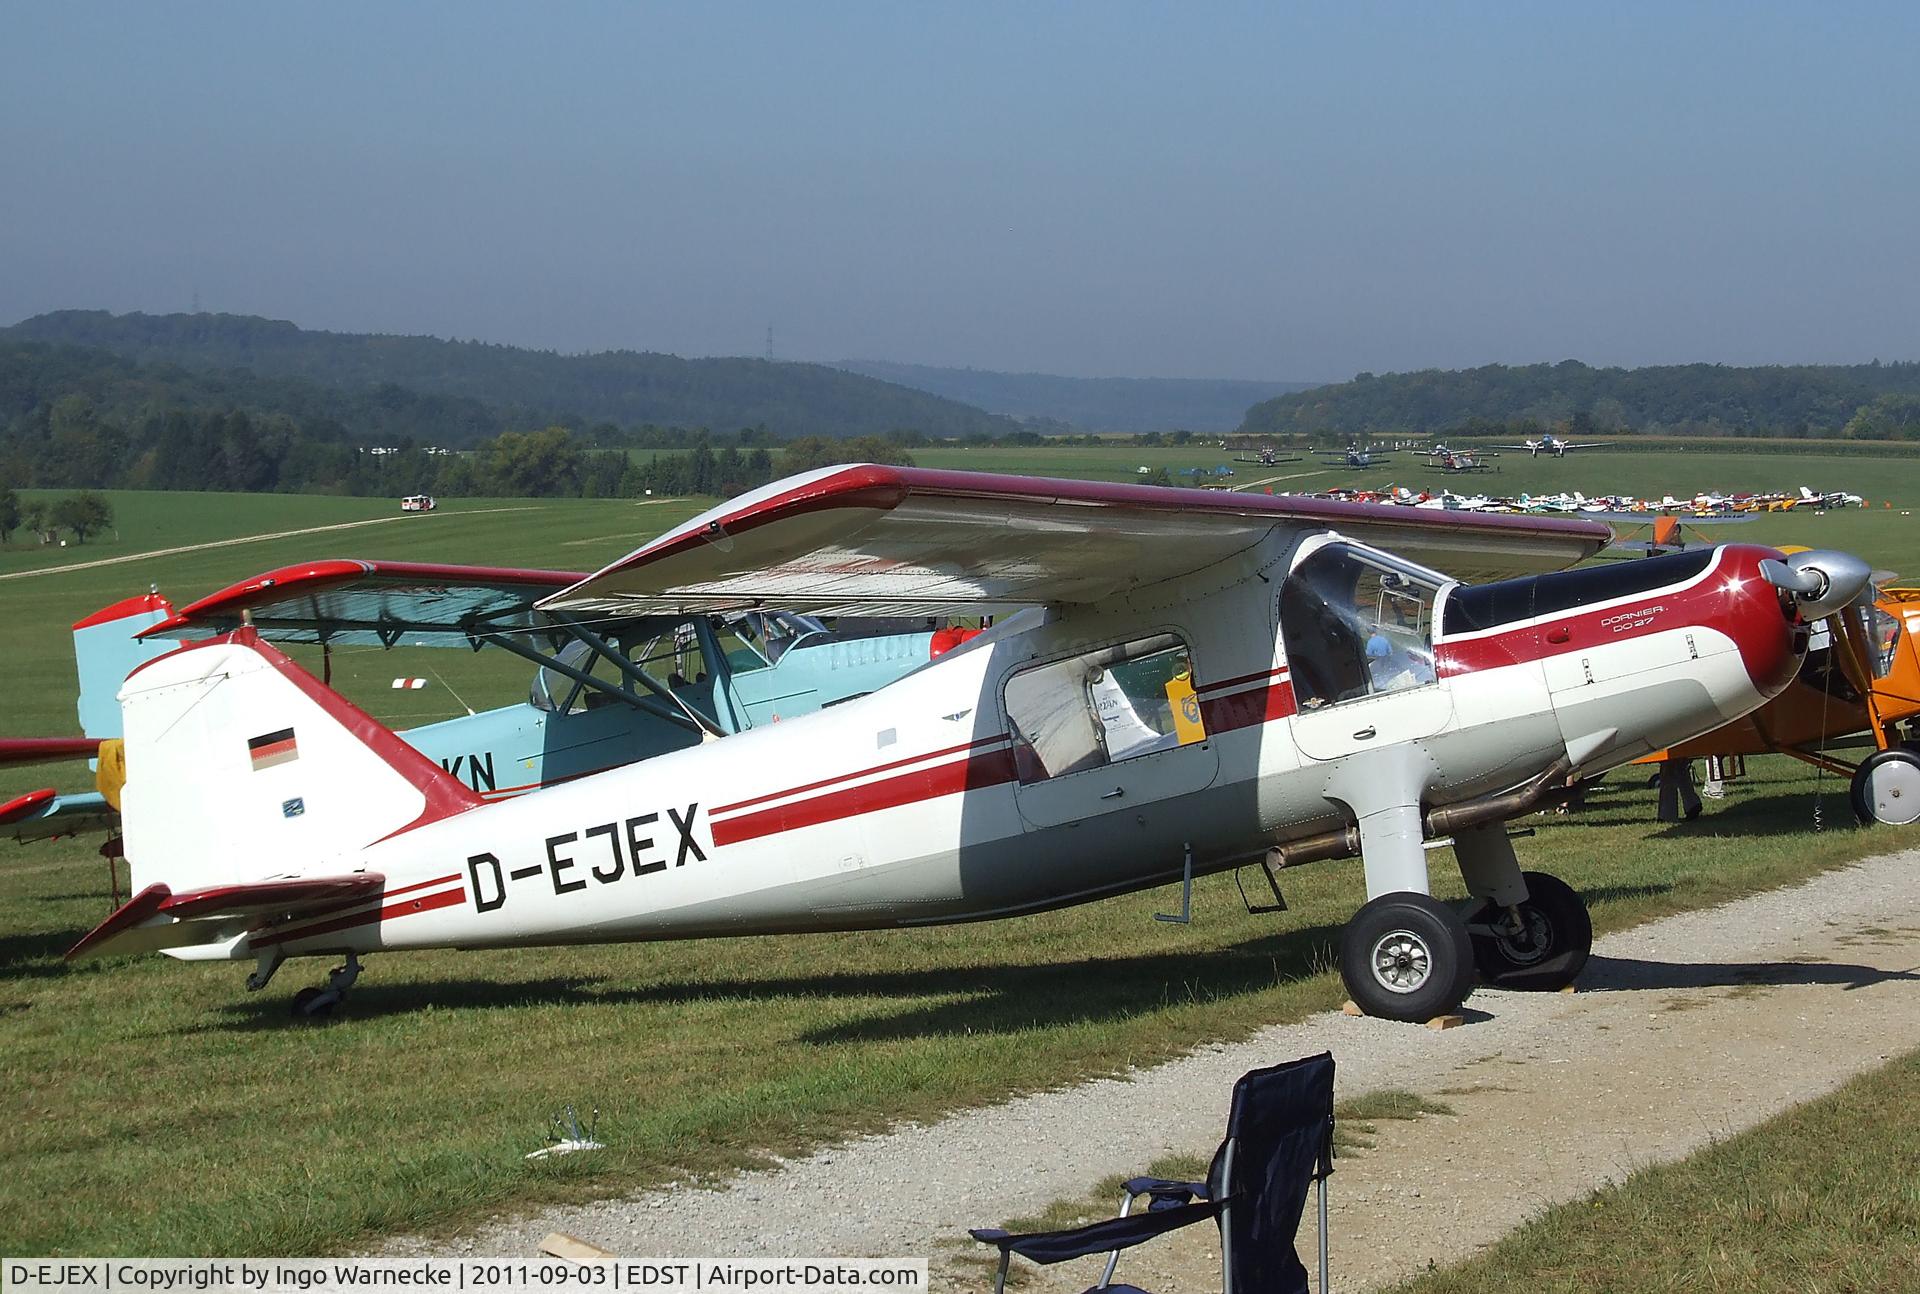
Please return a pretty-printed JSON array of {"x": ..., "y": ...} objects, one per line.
[
  {"x": 1807, "y": 401},
  {"x": 74, "y": 446}
]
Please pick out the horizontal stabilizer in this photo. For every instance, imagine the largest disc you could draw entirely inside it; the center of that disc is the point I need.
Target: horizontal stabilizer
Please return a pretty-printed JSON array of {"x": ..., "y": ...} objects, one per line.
[{"x": 158, "y": 918}]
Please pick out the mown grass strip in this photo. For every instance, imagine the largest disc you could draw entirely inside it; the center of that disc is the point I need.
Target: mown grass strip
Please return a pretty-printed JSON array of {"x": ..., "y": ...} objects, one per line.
[{"x": 1822, "y": 1199}]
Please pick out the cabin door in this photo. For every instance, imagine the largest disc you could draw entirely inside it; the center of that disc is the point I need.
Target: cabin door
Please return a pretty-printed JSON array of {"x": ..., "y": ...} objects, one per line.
[{"x": 1357, "y": 628}]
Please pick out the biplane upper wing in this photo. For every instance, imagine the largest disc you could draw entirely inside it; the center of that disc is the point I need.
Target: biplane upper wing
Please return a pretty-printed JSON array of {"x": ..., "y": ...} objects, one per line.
[
  {"x": 873, "y": 540},
  {"x": 370, "y": 603}
]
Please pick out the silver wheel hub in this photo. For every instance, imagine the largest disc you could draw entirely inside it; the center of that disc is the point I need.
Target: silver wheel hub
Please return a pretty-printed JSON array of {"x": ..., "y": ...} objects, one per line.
[
  {"x": 1894, "y": 787},
  {"x": 1401, "y": 961}
]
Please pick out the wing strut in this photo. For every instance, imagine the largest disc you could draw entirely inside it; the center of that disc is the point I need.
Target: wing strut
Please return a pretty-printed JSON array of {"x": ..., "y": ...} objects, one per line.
[
  {"x": 635, "y": 673},
  {"x": 582, "y": 677}
]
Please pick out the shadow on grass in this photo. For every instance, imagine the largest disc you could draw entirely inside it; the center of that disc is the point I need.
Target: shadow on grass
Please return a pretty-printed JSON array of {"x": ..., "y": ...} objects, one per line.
[
  {"x": 915, "y": 1003},
  {"x": 37, "y": 955},
  {"x": 1629, "y": 974},
  {"x": 1784, "y": 813},
  {"x": 1623, "y": 893}
]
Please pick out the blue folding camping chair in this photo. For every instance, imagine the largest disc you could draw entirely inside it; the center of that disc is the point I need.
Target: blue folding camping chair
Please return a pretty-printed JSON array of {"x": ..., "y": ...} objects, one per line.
[{"x": 1279, "y": 1138}]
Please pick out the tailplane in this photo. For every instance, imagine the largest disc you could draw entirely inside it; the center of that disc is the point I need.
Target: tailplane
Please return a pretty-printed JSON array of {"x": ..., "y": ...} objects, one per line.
[{"x": 242, "y": 766}]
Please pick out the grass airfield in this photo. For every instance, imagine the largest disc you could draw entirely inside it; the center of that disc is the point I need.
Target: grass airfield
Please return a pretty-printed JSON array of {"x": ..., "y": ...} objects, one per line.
[{"x": 155, "y": 1107}]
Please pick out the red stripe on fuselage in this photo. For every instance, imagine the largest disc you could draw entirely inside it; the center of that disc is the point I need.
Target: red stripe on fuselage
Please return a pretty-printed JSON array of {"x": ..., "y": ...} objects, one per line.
[
  {"x": 974, "y": 773},
  {"x": 407, "y": 907},
  {"x": 1245, "y": 709},
  {"x": 848, "y": 777}
]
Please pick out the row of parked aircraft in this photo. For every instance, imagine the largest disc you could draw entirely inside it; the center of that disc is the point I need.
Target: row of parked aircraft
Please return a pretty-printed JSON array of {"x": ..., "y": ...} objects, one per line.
[
  {"x": 1173, "y": 683},
  {"x": 1615, "y": 506}
]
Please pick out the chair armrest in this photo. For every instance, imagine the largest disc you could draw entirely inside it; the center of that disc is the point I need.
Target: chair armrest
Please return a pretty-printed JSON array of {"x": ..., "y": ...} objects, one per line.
[
  {"x": 1166, "y": 1194},
  {"x": 1047, "y": 1247}
]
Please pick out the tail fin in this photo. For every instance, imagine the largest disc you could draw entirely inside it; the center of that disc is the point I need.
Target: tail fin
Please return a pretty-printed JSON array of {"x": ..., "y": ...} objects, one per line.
[
  {"x": 242, "y": 766},
  {"x": 105, "y": 651}
]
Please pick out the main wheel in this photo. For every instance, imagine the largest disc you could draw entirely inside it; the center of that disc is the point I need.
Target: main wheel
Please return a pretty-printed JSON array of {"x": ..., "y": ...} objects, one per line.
[
  {"x": 1886, "y": 788},
  {"x": 1405, "y": 956},
  {"x": 1545, "y": 949}
]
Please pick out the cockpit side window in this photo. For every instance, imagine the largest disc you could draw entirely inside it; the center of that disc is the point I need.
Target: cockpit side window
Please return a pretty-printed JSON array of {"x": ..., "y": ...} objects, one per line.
[
  {"x": 1103, "y": 706},
  {"x": 1356, "y": 624}
]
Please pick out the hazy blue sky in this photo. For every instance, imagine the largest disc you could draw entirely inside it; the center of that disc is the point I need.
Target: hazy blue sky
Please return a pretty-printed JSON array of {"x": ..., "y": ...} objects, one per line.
[{"x": 1190, "y": 190}]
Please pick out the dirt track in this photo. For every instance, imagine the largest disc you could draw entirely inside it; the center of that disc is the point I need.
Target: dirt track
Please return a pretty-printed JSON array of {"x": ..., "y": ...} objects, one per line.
[
  {"x": 237, "y": 539},
  {"x": 1683, "y": 1030}
]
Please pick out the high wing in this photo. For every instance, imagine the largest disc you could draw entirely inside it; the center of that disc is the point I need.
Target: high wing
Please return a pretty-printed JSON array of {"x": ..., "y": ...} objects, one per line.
[
  {"x": 157, "y": 918},
  {"x": 363, "y": 603},
  {"x": 873, "y": 540}
]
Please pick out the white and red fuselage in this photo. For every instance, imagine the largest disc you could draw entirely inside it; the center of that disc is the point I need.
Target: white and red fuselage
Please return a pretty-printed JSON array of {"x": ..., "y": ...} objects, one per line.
[{"x": 912, "y": 805}]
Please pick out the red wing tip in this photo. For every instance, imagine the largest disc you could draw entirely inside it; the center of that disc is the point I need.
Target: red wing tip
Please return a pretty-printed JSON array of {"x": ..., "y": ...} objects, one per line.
[
  {"x": 25, "y": 805},
  {"x": 139, "y": 604}
]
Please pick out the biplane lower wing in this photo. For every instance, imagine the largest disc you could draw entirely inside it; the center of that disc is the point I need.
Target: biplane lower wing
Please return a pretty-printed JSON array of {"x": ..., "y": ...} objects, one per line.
[
  {"x": 157, "y": 918},
  {"x": 349, "y": 602},
  {"x": 46, "y": 814},
  {"x": 874, "y": 540}
]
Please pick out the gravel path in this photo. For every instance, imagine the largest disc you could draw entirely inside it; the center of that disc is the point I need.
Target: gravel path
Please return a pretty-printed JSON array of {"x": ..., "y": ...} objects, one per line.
[{"x": 1683, "y": 1030}]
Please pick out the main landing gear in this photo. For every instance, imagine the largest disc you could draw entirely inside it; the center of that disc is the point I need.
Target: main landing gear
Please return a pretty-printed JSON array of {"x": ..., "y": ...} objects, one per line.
[
  {"x": 1539, "y": 944},
  {"x": 1408, "y": 956}
]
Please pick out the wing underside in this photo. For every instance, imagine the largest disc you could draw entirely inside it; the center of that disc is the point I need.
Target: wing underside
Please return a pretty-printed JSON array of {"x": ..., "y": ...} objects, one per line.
[{"x": 872, "y": 540}]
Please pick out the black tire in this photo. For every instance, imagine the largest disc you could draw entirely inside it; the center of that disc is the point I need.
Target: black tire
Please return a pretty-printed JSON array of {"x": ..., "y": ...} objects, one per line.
[
  {"x": 1549, "y": 953},
  {"x": 1886, "y": 788},
  {"x": 308, "y": 1006},
  {"x": 1405, "y": 956}
]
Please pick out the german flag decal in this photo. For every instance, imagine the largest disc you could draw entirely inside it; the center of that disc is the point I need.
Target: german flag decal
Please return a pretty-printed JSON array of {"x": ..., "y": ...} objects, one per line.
[{"x": 273, "y": 748}]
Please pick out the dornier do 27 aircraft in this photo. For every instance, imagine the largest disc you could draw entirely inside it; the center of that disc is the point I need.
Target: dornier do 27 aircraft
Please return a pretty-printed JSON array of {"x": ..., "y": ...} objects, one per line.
[{"x": 1187, "y": 682}]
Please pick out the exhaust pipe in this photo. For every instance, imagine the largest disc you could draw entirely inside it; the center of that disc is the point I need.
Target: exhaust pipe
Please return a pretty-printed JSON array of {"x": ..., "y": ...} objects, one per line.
[
  {"x": 1524, "y": 798},
  {"x": 1345, "y": 841}
]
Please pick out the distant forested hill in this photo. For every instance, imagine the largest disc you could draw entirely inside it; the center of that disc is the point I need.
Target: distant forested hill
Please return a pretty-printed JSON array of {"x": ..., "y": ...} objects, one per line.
[
  {"x": 1865, "y": 400},
  {"x": 626, "y": 387},
  {"x": 1088, "y": 403},
  {"x": 36, "y": 376}
]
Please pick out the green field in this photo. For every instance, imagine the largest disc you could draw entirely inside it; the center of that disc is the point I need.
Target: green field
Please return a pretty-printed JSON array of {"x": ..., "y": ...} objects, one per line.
[
  {"x": 154, "y": 1107},
  {"x": 1805, "y": 1203}
]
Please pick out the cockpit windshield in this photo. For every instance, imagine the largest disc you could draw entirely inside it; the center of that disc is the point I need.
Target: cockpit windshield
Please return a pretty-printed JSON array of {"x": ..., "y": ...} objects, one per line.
[
  {"x": 1356, "y": 623},
  {"x": 769, "y": 634}
]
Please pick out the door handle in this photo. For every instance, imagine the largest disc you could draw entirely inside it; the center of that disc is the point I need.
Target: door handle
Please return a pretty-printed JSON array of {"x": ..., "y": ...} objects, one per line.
[
  {"x": 1559, "y": 634},
  {"x": 1365, "y": 734},
  {"x": 1115, "y": 793}
]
